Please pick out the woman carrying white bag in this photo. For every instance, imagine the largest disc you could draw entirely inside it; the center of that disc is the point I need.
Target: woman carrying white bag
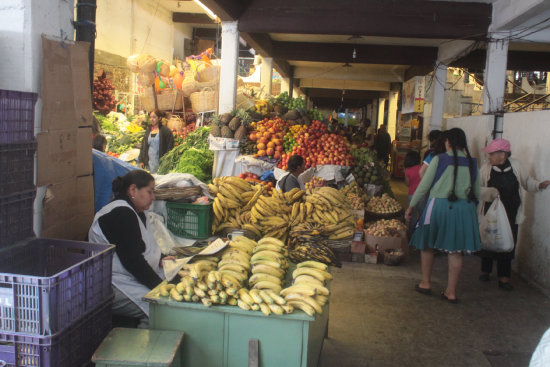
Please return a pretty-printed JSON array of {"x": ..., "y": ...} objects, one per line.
[{"x": 502, "y": 178}]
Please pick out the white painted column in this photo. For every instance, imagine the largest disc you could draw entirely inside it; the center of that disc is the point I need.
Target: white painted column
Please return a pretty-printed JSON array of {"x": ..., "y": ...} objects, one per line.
[
  {"x": 495, "y": 74},
  {"x": 392, "y": 114},
  {"x": 266, "y": 76},
  {"x": 285, "y": 85},
  {"x": 438, "y": 104},
  {"x": 381, "y": 105},
  {"x": 228, "y": 72}
]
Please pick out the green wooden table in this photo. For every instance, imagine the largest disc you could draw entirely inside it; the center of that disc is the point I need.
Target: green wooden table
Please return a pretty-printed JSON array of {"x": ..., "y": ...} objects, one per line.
[{"x": 218, "y": 336}]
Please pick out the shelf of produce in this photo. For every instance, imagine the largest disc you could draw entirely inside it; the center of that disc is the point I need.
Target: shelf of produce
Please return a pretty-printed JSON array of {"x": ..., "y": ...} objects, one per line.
[{"x": 219, "y": 335}]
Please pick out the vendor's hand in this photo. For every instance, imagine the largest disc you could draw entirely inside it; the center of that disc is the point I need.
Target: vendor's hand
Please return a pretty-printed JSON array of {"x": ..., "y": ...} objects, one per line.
[
  {"x": 142, "y": 165},
  {"x": 493, "y": 193},
  {"x": 544, "y": 184},
  {"x": 408, "y": 213}
]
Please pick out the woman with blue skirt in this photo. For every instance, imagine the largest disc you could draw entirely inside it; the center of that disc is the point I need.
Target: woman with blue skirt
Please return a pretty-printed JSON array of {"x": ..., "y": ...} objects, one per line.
[{"x": 449, "y": 220}]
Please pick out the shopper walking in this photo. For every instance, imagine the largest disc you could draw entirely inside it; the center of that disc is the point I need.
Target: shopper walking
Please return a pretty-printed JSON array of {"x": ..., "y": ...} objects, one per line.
[
  {"x": 136, "y": 263},
  {"x": 158, "y": 141},
  {"x": 412, "y": 180},
  {"x": 504, "y": 177},
  {"x": 449, "y": 220},
  {"x": 437, "y": 146},
  {"x": 382, "y": 145}
]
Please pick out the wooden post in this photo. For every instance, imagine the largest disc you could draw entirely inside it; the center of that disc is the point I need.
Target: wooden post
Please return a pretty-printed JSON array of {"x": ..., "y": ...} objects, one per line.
[
  {"x": 155, "y": 97},
  {"x": 253, "y": 353}
]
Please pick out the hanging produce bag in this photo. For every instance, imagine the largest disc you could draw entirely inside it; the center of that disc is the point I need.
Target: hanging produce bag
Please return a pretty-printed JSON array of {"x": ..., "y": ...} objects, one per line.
[{"x": 494, "y": 228}]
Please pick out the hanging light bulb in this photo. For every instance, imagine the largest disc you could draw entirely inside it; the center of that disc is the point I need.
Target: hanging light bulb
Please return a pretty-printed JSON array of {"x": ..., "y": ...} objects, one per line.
[{"x": 354, "y": 54}]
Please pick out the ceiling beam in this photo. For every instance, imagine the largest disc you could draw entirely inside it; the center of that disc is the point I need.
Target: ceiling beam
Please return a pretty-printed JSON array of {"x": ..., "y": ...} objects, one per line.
[
  {"x": 517, "y": 60},
  {"x": 227, "y": 10},
  {"x": 344, "y": 84},
  {"x": 382, "y": 18},
  {"x": 193, "y": 18},
  {"x": 386, "y": 74},
  {"x": 205, "y": 33},
  {"x": 262, "y": 44},
  {"x": 364, "y": 54}
]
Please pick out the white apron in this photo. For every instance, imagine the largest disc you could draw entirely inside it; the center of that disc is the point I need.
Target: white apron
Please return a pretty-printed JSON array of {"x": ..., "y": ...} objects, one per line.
[{"x": 122, "y": 279}]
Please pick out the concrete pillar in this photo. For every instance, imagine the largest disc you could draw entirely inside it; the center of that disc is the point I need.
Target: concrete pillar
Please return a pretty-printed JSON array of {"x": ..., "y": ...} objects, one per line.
[
  {"x": 495, "y": 73},
  {"x": 392, "y": 114},
  {"x": 266, "y": 76},
  {"x": 285, "y": 85},
  {"x": 381, "y": 105},
  {"x": 228, "y": 72},
  {"x": 438, "y": 104}
]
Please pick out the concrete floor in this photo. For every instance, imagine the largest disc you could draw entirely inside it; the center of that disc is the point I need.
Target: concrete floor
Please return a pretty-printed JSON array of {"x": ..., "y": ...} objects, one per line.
[{"x": 378, "y": 320}]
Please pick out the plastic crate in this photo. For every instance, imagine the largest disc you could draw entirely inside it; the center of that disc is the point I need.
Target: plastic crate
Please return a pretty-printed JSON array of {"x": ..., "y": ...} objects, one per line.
[
  {"x": 16, "y": 116},
  {"x": 46, "y": 285},
  {"x": 190, "y": 220},
  {"x": 72, "y": 347},
  {"x": 16, "y": 212},
  {"x": 17, "y": 167}
]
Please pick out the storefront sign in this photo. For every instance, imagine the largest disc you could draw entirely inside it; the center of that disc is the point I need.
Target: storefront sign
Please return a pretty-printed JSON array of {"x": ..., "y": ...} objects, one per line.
[{"x": 413, "y": 95}]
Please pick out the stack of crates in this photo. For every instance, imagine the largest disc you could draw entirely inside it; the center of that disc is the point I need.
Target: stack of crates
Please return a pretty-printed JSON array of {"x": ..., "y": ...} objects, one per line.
[
  {"x": 55, "y": 295},
  {"x": 17, "y": 149}
]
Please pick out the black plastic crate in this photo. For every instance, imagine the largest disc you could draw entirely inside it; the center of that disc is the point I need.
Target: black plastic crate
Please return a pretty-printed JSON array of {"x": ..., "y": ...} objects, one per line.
[
  {"x": 16, "y": 116},
  {"x": 16, "y": 211},
  {"x": 46, "y": 285},
  {"x": 72, "y": 347},
  {"x": 17, "y": 167}
]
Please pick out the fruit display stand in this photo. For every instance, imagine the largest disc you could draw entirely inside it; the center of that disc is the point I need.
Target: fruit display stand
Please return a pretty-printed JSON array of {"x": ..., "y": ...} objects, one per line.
[{"x": 219, "y": 335}]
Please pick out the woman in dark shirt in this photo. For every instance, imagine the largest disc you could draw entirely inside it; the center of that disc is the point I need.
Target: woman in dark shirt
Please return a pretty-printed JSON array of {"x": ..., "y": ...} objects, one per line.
[
  {"x": 157, "y": 141},
  {"x": 124, "y": 223}
]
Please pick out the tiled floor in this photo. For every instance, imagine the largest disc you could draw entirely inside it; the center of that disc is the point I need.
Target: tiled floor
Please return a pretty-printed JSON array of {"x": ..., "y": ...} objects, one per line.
[{"x": 378, "y": 320}]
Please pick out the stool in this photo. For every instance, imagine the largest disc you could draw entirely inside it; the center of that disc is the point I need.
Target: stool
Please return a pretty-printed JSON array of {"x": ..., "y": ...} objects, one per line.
[{"x": 139, "y": 347}]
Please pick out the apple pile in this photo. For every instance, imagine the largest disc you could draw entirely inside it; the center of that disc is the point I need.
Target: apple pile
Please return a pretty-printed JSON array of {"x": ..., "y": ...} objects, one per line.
[
  {"x": 318, "y": 147},
  {"x": 386, "y": 228},
  {"x": 356, "y": 201},
  {"x": 384, "y": 204},
  {"x": 268, "y": 135}
]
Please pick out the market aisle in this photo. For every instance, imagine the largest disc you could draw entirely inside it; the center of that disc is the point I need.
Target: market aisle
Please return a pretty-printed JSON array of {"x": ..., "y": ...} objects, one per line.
[{"x": 378, "y": 320}]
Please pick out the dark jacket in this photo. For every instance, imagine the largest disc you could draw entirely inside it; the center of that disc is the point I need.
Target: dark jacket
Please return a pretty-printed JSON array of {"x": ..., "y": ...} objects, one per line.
[{"x": 166, "y": 144}]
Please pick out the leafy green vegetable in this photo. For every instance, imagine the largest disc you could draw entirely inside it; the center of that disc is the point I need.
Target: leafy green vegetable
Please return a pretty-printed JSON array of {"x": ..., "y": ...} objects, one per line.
[{"x": 193, "y": 156}]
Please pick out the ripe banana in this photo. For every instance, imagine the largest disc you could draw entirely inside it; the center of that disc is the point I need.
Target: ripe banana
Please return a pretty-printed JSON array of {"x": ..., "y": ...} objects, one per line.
[
  {"x": 265, "y": 309},
  {"x": 268, "y": 285},
  {"x": 312, "y": 264},
  {"x": 266, "y": 269},
  {"x": 266, "y": 297},
  {"x": 317, "y": 273},
  {"x": 165, "y": 289},
  {"x": 271, "y": 240},
  {"x": 306, "y": 299},
  {"x": 306, "y": 290},
  {"x": 257, "y": 278},
  {"x": 310, "y": 311},
  {"x": 278, "y": 299},
  {"x": 245, "y": 296},
  {"x": 276, "y": 309},
  {"x": 255, "y": 294}
]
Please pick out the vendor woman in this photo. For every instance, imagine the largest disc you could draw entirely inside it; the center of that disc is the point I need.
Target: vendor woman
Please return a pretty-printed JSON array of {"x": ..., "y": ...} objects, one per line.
[
  {"x": 136, "y": 262},
  {"x": 296, "y": 166},
  {"x": 158, "y": 141}
]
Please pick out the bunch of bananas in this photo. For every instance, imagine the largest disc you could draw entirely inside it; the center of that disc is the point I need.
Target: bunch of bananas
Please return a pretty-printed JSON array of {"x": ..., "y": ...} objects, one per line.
[
  {"x": 269, "y": 263},
  {"x": 234, "y": 197},
  {"x": 235, "y": 260},
  {"x": 264, "y": 300},
  {"x": 308, "y": 245},
  {"x": 308, "y": 291},
  {"x": 275, "y": 214},
  {"x": 331, "y": 213},
  {"x": 213, "y": 287}
]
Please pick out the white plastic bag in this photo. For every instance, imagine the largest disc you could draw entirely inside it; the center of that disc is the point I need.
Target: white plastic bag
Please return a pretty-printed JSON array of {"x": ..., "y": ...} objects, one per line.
[{"x": 494, "y": 229}]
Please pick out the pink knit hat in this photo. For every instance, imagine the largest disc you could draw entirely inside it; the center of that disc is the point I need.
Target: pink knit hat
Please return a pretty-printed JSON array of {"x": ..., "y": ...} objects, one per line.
[{"x": 498, "y": 145}]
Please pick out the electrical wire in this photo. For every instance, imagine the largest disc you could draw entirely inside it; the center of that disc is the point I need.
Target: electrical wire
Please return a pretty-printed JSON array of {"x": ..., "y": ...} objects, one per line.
[{"x": 150, "y": 26}]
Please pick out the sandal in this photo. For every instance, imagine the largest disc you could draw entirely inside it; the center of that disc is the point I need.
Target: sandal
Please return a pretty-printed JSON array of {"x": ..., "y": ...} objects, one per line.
[
  {"x": 444, "y": 296},
  {"x": 426, "y": 291}
]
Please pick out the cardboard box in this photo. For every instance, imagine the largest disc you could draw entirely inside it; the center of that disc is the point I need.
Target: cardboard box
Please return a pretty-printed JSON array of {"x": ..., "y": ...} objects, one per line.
[
  {"x": 69, "y": 209},
  {"x": 376, "y": 243},
  {"x": 372, "y": 258},
  {"x": 84, "y": 165},
  {"x": 56, "y": 156},
  {"x": 358, "y": 247}
]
